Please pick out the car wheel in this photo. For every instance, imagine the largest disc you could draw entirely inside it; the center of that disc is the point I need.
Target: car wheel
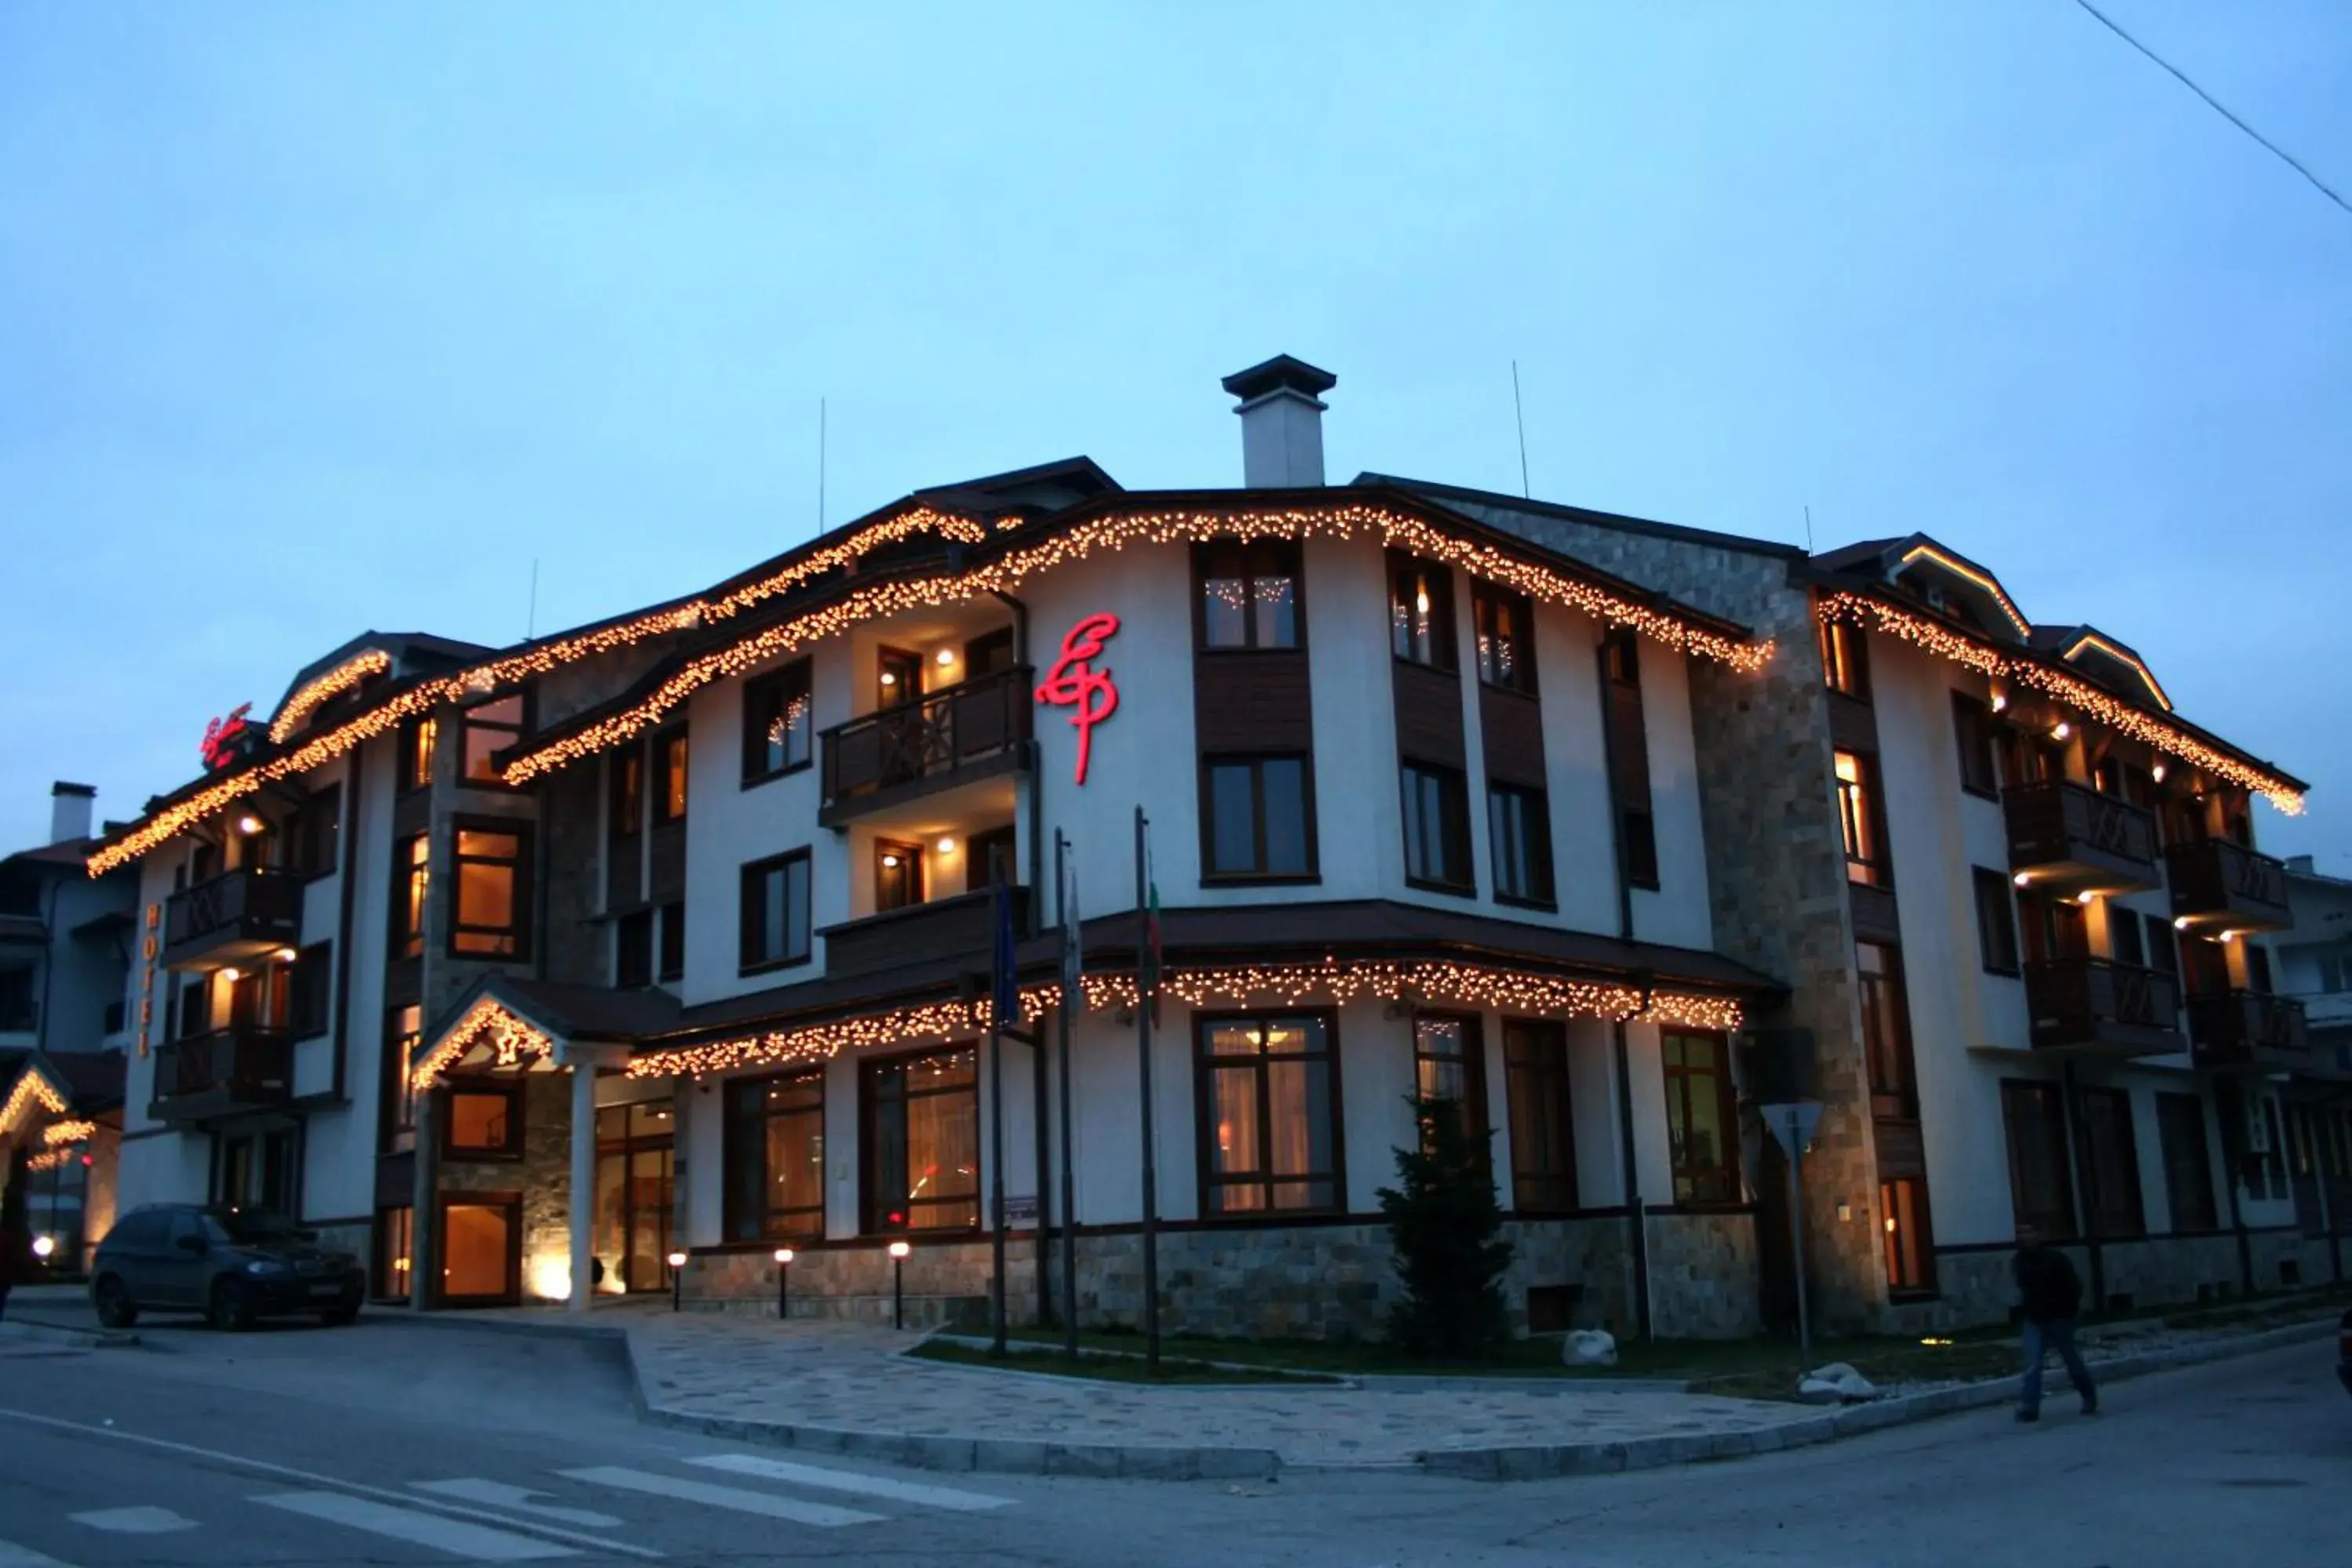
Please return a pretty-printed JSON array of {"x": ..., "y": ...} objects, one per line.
[
  {"x": 116, "y": 1309},
  {"x": 231, "y": 1310},
  {"x": 336, "y": 1317}
]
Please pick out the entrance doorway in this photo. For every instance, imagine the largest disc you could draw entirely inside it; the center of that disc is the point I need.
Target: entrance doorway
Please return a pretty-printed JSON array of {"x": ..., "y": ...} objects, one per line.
[{"x": 635, "y": 1170}]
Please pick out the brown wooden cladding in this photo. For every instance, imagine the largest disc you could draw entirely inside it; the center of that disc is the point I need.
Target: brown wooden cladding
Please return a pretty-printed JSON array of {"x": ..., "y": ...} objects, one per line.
[
  {"x": 669, "y": 863},
  {"x": 1853, "y": 726},
  {"x": 1875, "y": 917},
  {"x": 1252, "y": 701},
  {"x": 1510, "y": 725},
  {"x": 1629, "y": 747},
  {"x": 1429, "y": 716},
  {"x": 623, "y": 872},
  {"x": 1901, "y": 1151}
]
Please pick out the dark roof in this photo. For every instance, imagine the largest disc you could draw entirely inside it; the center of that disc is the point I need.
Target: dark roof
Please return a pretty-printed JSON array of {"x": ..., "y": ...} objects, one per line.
[
  {"x": 1673, "y": 530},
  {"x": 1863, "y": 552},
  {"x": 575, "y": 1012},
  {"x": 1279, "y": 373},
  {"x": 96, "y": 1077},
  {"x": 64, "y": 852}
]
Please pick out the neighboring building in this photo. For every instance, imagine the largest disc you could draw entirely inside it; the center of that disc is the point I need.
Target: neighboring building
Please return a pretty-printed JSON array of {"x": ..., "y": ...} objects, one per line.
[
  {"x": 65, "y": 942},
  {"x": 2315, "y": 968},
  {"x": 677, "y": 926}
]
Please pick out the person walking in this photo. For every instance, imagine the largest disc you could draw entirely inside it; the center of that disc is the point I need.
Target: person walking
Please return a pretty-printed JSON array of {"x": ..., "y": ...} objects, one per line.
[{"x": 2050, "y": 1293}]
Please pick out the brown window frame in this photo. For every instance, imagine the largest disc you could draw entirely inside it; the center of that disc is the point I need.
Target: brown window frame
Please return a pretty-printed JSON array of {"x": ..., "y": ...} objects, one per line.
[
  {"x": 311, "y": 990},
  {"x": 1998, "y": 951},
  {"x": 1542, "y": 891},
  {"x": 1845, "y": 658},
  {"x": 1257, "y": 559},
  {"x": 669, "y": 944},
  {"x": 1258, "y": 872},
  {"x": 673, "y": 775},
  {"x": 411, "y": 895},
  {"x": 625, "y": 794},
  {"x": 1910, "y": 1269},
  {"x": 1454, "y": 806},
  {"x": 1884, "y": 1001},
  {"x": 911, "y": 872},
  {"x": 511, "y": 1203},
  {"x": 396, "y": 1110},
  {"x": 517, "y": 931},
  {"x": 499, "y": 732},
  {"x": 1472, "y": 1062},
  {"x": 1537, "y": 1083},
  {"x": 315, "y": 845},
  {"x": 1487, "y": 601},
  {"x": 1862, "y": 819},
  {"x": 1410, "y": 624},
  {"x": 2052, "y": 1214},
  {"x": 1206, "y": 1064},
  {"x": 1976, "y": 740},
  {"x": 395, "y": 1250},
  {"x": 509, "y": 1148},
  {"x": 633, "y": 949},
  {"x": 768, "y": 701},
  {"x": 2118, "y": 1209},
  {"x": 873, "y": 1203},
  {"x": 420, "y": 743},
  {"x": 748, "y": 907},
  {"x": 741, "y": 1122},
  {"x": 1637, "y": 818},
  {"x": 2187, "y": 1156},
  {"x": 1723, "y": 1175}
]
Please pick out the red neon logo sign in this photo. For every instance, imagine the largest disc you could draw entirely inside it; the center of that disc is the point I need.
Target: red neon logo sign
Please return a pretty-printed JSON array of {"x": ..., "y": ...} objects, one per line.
[
  {"x": 222, "y": 732},
  {"x": 1072, "y": 684}
]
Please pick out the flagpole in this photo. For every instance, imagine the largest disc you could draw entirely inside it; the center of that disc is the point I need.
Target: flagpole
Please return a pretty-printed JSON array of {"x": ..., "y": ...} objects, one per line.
[
  {"x": 1143, "y": 958},
  {"x": 997, "y": 990},
  {"x": 1073, "y": 996}
]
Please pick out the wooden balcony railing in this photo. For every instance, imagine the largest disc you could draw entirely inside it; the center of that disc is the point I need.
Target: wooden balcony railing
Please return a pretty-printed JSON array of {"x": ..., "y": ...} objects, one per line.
[
  {"x": 952, "y": 734},
  {"x": 2221, "y": 884},
  {"x": 2070, "y": 836},
  {"x": 244, "y": 1066},
  {"x": 252, "y": 906},
  {"x": 2248, "y": 1029},
  {"x": 2099, "y": 1003},
  {"x": 961, "y": 927}
]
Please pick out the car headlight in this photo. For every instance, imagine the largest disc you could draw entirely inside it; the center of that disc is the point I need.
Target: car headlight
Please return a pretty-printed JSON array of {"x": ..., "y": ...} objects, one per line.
[{"x": 263, "y": 1266}]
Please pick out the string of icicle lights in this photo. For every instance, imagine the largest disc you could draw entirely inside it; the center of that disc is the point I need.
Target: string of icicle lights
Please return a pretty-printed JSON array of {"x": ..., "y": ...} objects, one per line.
[
  {"x": 316, "y": 694},
  {"x": 31, "y": 1090},
  {"x": 1110, "y": 533},
  {"x": 510, "y": 1037},
  {"x": 1332, "y": 981},
  {"x": 1945, "y": 642}
]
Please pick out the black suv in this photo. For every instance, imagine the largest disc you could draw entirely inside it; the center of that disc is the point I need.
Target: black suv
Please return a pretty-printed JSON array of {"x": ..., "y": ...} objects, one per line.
[{"x": 233, "y": 1265}]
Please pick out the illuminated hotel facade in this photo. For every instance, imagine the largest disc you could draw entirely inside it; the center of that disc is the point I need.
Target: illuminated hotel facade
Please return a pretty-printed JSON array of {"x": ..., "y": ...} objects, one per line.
[{"x": 520, "y": 971}]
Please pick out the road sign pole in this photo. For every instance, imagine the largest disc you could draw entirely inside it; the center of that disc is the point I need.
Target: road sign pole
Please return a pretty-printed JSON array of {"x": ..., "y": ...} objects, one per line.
[{"x": 1797, "y": 1239}]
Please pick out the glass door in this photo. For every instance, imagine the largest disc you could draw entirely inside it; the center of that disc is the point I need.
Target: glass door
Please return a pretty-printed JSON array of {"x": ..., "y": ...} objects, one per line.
[{"x": 635, "y": 1171}]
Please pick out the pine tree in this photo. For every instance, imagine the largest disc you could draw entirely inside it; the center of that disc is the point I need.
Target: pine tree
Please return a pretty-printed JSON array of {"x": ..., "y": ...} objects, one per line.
[{"x": 1445, "y": 1223}]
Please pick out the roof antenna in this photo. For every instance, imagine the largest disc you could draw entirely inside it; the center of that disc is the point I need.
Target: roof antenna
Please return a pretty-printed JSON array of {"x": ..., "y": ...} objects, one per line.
[
  {"x": 1809, "y": 529},
  {"x": 1520, "y": 414},
  {"x": 820, "y": 464},
  {"x": 531, "y": 620}
]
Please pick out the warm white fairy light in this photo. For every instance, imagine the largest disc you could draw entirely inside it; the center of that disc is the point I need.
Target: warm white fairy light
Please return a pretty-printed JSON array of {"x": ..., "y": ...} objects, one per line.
[
  {"x": 31, "y": 1090},
  {"x": 58, "y": 1134},
  {"x": 317, "y": 693},
  {"x": 511, "y": 1039}
]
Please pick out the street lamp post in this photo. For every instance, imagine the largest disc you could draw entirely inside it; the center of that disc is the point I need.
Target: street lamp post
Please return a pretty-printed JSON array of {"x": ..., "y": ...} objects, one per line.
[
  {"x": 899, "y": 1250},
  {"x": 783, "y": 1283},
  {"x": 676, "y": 1279}
]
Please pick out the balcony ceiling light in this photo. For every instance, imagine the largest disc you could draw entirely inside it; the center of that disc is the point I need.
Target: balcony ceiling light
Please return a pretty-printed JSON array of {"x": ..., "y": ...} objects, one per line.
[
  {"x": 285, "y": 955},
  {"x": 2157, "y": 773},
  {"x": 2061, "y": 729},
  {"x": 2180, "y": 923},
  {"x": 250, "y": 824},
  {"x": 2024, "y": 878},
  {"x": 231, "y": 974},
  {"x": 2086, "y": 898},
  {"x": 890, "y": 861},
  {"x": 947, "y": 656},
  {"x": 947, "y": 846},
  {"x": 889, "y": 677}
]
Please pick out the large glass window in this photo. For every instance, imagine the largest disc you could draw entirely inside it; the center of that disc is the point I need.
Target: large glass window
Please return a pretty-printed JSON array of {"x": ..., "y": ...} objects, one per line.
[
  {"x": 1269, "y": 1113},
  {"x": 485, "y": 1121},
  {"x": 1910, "y": 1248},
  {"x": 1886, "y": 1029},
  {"x": 2040, "y": 1194},
  {"x": 669, "y": 776},
  {"x": 1449, "y": 1064},
  {"x": 310, "y": 986},
  {"x": 1436, "y": 830},
  {"x": 774, "y": 1155},
  {"x": 1972, "y": 731},
  {"x": 412, "y": 882},
  {"x": 626, "y": 777},
  {"x": 775, "y": 911},
  {"x": 318, "y": 828},
  {"x": 898, "y": 875},
  {"x": 1543, "y": 1122},
  {"x": 1996, "y": 920},
  {"x": 493, "y": 876},
  {"x": 1505, "y": 624},
  {"x": 1845, "y": 666},
  {"x": 418, "y": 743},
  {"x": 777, "y": 730},
  {"x": 1249, "y": 593},
  {"x": 2112, "y": 1153},
  {"x": 1259, "y": 821},
  {"x": 397, "y": 1117},
  {"x": 1420, "y": 612},
  {"x": 922, "y": 1141},
  {"x": 1857, "y": 795},
  {"x": 490, "y": 728},
  {"x": 633, "y": 950},
  {"x": 1518, "y": 833},
  {"x": 1702, "y": 1135},
  {"x": 1629, "y": 759},
  {"x": 2188, "y": 1167},
  {"x": 394, "y": 1249},
  {"x": 672, "y": 942}
]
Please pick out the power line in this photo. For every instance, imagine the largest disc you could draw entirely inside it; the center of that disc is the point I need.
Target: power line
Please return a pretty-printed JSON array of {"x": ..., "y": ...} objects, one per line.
[{"x": 2282, "y": 153}]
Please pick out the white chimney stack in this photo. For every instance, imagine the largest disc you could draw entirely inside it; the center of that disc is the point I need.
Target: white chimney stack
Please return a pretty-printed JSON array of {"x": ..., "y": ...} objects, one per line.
[
  {"x": 69, "y": 811},
  {"x": 1282, "y": 422}
]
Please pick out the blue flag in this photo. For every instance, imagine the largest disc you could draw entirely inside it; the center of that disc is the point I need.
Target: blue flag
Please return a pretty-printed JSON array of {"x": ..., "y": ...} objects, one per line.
[{"x": 1004, "y": 990}]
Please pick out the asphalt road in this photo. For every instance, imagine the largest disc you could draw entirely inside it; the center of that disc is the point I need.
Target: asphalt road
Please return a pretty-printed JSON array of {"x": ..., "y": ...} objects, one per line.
[{"x": 396, "y": 1444}]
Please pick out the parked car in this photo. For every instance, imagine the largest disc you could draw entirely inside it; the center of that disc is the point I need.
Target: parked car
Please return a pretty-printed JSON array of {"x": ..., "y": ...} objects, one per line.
[
  {"x": 233, "y": 1265},
  {"x": 2344, "y": 1350}
]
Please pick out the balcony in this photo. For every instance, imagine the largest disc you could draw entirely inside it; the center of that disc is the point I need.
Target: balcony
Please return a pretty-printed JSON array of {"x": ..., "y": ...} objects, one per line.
[
  {"x": 974, "y": 730},
  {"x": 920, "y": 933},
  {"x": 2221, "y": 886},
  {"x": 2094, "y": 1003},
  {"x": 2249, "y": 1029},
  {"x": 237, "y": 915},
  {"x": 246, "y": 1067},
  {"x": 2067, "y": 839}
]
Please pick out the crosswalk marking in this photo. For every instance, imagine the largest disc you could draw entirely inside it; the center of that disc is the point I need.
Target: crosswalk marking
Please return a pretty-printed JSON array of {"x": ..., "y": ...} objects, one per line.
[
  {"x": 451, "y": 1535},
  {"x": 851, "y": 1481},
  {"x": 766, "y": 1504},
  {"x": 134, "y": 1520},
  {"x": 497, "y": 1494},
  {"x": 14, "y": 1556}
]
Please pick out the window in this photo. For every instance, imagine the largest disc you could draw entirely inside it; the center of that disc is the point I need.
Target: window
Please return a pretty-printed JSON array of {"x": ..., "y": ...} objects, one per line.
[
  {"x": 990, "y": 653},
  {"x": 1845, "y": 664},
  {"x": 2163, "y": 956},
  {"x": 988, "y": 859},
  {"x": 777, "y": 730},
  {"x": 1639, "y": 845},
  {"x": 1420, "y": 612},
  {"x": 669, "y": 776},
  {"x": 1259, "y": 821},
  {"x": 1436, "y": 832},
  {"x": 2258, "y": 969},
  {"x": 19, "y": 1005},
  {"x": 922, "y": 1141},
  {"x": 1505, "y": 625},
  {"x": 1249, "y": 593},
  {"x": 417, "y": 744},
  {"x": 898, "y": 875},
  {"x": 1448, "y": 1063},
  {"x": 2123, "y": 936},
  {"x": 1543, "y": 1122},
  {"x": 1628, "y": 761},
  {"x": 411, "y": 881},
  {"x": 2188, "y": 1167},
  {"x": 394, "y": 1247},
  {"x": 1886, "y": 1029},
  {"x": 1269, "y": 1122},
  {"x": 1972, "y": 728},
  {"x": 1866, "y": 856},
  {"x": 897, "y": 676},
  {"x": 775, "y": 911},
  {"x": 310, "y": 986},
  {"x": 2112, "y": 1158},
  {"x": 2040, "y": 1194},
  {"x": 1996, "y": 920},
  {"x": 404, "y": 1028},
  {"x": 633, "y": 949},
  {"x": 490, "y": 728},
  {"x": 673, "y": 942},
  {"x": 625, "y": 774},
  {"x": 493, "y": 876},
  {"x": 774, "y": 1157},
  {"x": 1518, "y": 830},
  {"x": 317, "y": 828},
  {"x": 1702, "y": 1134},
  {"x": 485, "y": 1121},
  {"x": 1910, "y": 1251}
]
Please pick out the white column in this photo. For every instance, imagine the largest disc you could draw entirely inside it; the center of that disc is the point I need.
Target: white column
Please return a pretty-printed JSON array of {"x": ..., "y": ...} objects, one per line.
[{"x": 583, "y": 1183}]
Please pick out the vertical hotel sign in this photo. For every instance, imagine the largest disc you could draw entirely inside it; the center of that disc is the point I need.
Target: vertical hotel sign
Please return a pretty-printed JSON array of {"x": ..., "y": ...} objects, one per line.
[
  {"x": 147, "y": 974},
  {"x": 1073, "y": 683}
]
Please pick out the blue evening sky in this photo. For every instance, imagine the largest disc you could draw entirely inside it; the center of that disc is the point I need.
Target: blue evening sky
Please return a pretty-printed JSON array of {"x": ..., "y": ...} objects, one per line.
[{"x": 315, "y": 319}]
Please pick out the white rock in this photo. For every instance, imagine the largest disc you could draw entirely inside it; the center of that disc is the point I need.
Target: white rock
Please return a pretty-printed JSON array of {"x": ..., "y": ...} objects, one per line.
[
  {"x": 1835, "y": 1382},
  {"x": 1589, "y": 1347}
]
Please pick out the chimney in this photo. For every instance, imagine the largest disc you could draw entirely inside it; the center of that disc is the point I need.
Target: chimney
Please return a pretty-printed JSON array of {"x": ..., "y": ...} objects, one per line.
[
  {"x": 1282, "y": 422},
  {"x": 69, "y": 811}
]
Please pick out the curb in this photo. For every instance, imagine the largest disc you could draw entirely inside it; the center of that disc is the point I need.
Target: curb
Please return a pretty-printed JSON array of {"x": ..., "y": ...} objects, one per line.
[
  {"x": 602, "y": 1333},
  {"x": 60, "y": 1334}
]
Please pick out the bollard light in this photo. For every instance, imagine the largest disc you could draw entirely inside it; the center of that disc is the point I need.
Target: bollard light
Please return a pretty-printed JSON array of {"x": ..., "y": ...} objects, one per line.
[
  {"x": 677, "y": 1278},
  {"x": 43, "y": 1246},
  {"x": 783, "y": 1283},
  {"x": 899, "y": 1250}
]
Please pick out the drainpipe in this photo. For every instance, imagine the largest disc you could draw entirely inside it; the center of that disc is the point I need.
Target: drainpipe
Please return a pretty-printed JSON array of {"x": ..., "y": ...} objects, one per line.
[
  {"x": 2085, "y": 1183},
  {"x": 347, "y": 847},
  {"x": 1037, "y": 786},
  {"x": 1637, "y": 1222}
]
